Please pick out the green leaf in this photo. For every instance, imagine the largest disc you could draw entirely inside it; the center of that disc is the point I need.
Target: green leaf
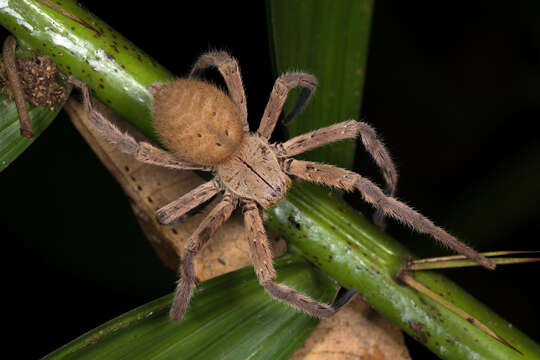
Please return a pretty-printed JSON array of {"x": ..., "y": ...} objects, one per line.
[
  {"x": 230, "y": 317},
  {"x": 12, "y": 144},
  {"x": 330, "y": 40}
]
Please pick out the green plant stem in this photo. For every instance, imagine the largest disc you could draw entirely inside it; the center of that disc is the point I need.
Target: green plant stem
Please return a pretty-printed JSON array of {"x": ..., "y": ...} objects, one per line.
[
  {"x": 325, "y": 230},
  {"x": 347, "y": 246},
  {"x": 109, "y": 63}
]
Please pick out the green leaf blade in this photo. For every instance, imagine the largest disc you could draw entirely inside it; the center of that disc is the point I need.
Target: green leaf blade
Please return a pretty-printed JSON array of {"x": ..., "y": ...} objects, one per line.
[
  {"x": 12, "y": 144},
  {"x": 222, "y": 312},
  {"x": 330, "y": 40}
]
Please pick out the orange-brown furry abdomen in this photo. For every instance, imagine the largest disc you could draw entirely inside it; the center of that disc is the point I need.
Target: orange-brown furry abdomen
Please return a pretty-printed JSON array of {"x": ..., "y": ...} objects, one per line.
[{"x": 196, "y": 120}]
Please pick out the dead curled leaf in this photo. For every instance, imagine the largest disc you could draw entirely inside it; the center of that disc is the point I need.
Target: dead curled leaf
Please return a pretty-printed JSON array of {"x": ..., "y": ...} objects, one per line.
[
  {"x": 356, "y": 332},
  {"x": 150, "y": 187}
]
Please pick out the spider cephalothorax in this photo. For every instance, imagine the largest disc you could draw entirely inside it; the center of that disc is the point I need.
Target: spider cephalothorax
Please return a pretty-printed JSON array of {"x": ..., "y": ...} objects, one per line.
[{"x": 206, "y": 129}]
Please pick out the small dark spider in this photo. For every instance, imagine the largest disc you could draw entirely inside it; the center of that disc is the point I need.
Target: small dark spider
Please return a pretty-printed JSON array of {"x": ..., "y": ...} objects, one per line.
[{"x": 206, "y": 129}]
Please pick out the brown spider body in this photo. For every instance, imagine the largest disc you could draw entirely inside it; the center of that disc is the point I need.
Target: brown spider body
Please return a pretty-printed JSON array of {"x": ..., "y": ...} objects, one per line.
[
  {"x": 206, "y": 129},
  {"x": 196, "y": 120},
  {"x": 254, "y": 173},
  {"x": 201, "y": 124}
]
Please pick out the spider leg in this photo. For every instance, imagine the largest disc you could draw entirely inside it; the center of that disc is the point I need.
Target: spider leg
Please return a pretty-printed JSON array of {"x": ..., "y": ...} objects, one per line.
[
  {"x": 347, "y": 130},
  {"x": 262, "y": 261},
  {"x": 169, "y": 213},
  {"x": 280, "y": 91},
  {"x": 10, "y": 64},
  {"x": 229, "y": 69},
  {"x": 187, "y": 271},
  {"x": 142, "y": 151},
  {"x": 348, "y": 180}
]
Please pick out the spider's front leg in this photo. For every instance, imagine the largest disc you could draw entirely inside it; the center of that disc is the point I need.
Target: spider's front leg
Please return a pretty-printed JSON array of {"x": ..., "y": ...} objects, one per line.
[
  {"x": 280, "y": 91},
  {"x": 262, "y": 261},
  {"x": 348, "y": 130},
  {"x": 142, "y": 151},
  {"x": 348, "y": 180},
  {"x": 187, "y": 271}
]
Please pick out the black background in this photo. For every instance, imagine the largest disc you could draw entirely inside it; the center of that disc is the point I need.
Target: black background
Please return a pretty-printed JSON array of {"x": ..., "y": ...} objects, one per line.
[{"x": 452, "y": 87}]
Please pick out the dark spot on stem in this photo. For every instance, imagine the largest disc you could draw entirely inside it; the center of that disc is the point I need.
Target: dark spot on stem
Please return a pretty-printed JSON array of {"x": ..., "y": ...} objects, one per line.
[
  {"x": 293, "y": 222},
  {"x": 421, "y": 334}
]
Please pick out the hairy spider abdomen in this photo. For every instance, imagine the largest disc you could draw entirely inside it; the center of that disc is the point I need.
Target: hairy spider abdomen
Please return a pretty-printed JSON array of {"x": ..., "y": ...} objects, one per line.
[
  {"x": 196, "y": 120},
  {"x": 255, "y": 173}
]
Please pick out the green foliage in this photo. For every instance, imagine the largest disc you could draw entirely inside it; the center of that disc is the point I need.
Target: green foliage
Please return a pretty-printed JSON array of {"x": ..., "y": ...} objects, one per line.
[
  {"x": 328, "y": 39},
  {"x": 12, "y": 144},
  {"x": 230, "y": 317}
]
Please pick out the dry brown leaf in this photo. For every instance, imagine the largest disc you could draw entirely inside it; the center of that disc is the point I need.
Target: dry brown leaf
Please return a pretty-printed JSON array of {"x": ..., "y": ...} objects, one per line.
[
  {"x": 356, "y": 332},
  {"x": 150, "y": 187}
]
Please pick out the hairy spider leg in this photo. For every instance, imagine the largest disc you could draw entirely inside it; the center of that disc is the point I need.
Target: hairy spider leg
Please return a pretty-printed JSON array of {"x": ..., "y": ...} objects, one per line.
[
  {"x": 230, "y": 70},
  {"x": 187, "y": 271},
  {"x": 261, "y": 257},
  {"x": 169, "y": 213},
  {"x": 348, "y": 180},
  {"x": 142, "y": 151},
  {"x": 346, "y": 130},
  {"x": 280, "y": 91}
]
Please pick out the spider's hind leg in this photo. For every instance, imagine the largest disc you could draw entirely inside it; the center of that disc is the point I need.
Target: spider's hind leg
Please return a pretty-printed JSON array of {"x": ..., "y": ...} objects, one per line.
[
  {"x": 187, "y": 271},
  {"x": 262, "y": 261},
  {"x": 141, "y": 151}
]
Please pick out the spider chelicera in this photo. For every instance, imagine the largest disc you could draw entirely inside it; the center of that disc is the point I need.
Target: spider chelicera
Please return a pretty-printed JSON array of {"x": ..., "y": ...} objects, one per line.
[{"x": 206, "y": 129}]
